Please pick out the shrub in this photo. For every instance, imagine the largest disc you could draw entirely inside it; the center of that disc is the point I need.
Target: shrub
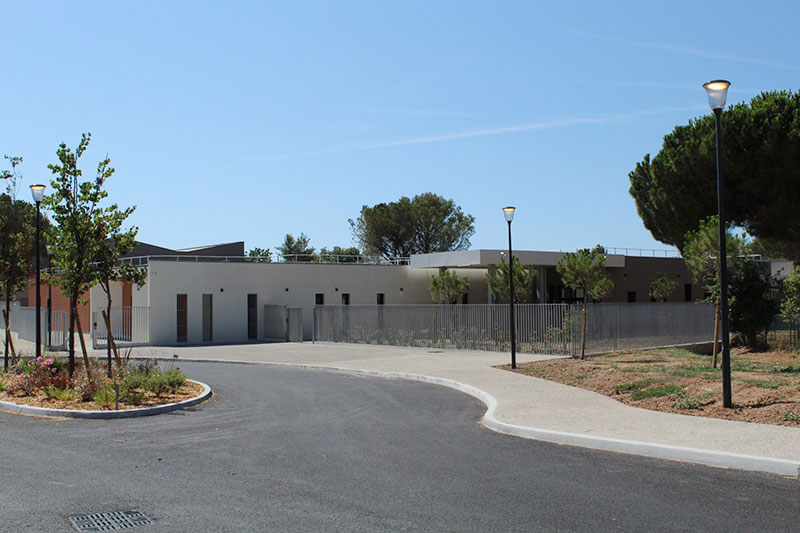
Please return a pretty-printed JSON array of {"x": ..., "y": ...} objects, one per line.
[
  {"x": 105, "y": 397},
  {"x": 131, "y": 388},
  {"x": 157, "y": 384},
  {"x": 146, "y": 368},
  {"x": 57, "y": 393},
  {"x": 175, "y": 379},
  {"x": 635, "y": 385}
]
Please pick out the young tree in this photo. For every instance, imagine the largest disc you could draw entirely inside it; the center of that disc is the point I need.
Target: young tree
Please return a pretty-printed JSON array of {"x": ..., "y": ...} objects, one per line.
[
  {"x": 752, "y": 305},
  {"x": 259, "y": 255},
  {"x": 447, "y": 287},
  {"x": 114, "y": 242},
  {"x": 17, "y": 233},
  {"x": 791, "y": 295},
  {"x": 661, "y": 287},
  {"x": 75, "y": 240},
  {"x": 297, "y": 249},
  {"x": 524, "y": 281},
  {"x": 425, "y": 224},
  {"x": 677, "y": 188},
  {"x": 585, "y": 270}
]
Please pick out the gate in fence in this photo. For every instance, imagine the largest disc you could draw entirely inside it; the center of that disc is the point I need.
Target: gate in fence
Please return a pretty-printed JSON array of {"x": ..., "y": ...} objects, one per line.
[
  {"x": 541, "y": 328},
  {"x": 130, "y": 326}
]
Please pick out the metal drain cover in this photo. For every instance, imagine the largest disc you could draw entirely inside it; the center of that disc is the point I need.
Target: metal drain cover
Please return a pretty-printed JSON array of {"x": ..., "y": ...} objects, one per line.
[{"x": 109, "y": 521}]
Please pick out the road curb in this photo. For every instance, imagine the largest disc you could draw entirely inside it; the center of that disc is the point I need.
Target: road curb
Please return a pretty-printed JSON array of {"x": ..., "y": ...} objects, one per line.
[
  {"x": 10, "y": 407},
  {"x": 782, "y": 467}
]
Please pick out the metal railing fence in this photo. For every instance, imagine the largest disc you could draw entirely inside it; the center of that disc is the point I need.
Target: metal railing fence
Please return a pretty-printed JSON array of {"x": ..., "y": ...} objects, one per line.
[
  {"x": 130, "y": 326},
  {"x": 274, "y": 258},
  {"x": 613, "y": 327},
  {"x": 54, "y": 325},
  {"x": 541, "y": 328},
  {"x": 465, "y": 327}
]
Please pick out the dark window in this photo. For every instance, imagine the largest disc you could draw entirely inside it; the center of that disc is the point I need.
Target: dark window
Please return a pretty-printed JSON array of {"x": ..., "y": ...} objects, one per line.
[
  {"x": 465, "y": 299},
  {"x": 252, "y": 316},
  {"x": 345, "y": 298},
  {"x": 208, "y": 318},
  {"x": 319, "y": 299},
  {"x": 182, "y": 320},
  {"x": 631, "y": 296},
  {"x": 380, "y": 298},
  {"x": 687, "y": 292}
]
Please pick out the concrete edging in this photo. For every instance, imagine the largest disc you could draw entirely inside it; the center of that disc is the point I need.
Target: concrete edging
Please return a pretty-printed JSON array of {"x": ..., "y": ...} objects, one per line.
[
  {"x": 782, "y": 467},
  {"x": 11, "y": 407}
]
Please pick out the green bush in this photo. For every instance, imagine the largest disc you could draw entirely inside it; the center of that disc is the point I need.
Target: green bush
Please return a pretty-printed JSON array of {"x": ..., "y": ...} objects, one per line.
[
  {"x": 57, "y": 393},
  {"x": 105, "y": 397}
]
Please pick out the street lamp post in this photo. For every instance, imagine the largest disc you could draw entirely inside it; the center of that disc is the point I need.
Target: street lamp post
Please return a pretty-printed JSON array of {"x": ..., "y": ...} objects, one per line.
[
  {"x": 717, "y": 91},
  {"x": 508, "y": 212},
  {"x": 38, "y": 193}
]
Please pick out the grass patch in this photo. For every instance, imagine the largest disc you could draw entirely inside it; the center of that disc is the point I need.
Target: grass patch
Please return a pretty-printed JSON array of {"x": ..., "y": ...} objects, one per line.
[
  {"x": 656, "y": 392},
  {"x": 790, "y": 416},
  {"x": 634, "y": 385},
  {"x": 762, "y": 384},
  {"x": 786, "y": 369},
  {"x": 684, "y": 400},
  {"x": 691, "y": 371}
]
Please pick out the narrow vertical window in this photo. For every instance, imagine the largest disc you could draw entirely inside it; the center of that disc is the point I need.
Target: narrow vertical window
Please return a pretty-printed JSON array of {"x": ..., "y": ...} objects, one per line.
[
  {"x": 208, "y": 318},
  {"x": 252, "y": 316},
  {"x": 631, "y": 296},
  {"x": 182, "y": 321},
  {"x": 381, "y": 298},
  {"x": 319, "y": 299},
  {"x": 346, "y": 298},
  {"x": 687, "y": 292}
]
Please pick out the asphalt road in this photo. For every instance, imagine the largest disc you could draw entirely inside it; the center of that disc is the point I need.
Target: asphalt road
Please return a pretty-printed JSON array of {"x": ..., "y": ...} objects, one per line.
[{"x": 290, "y": 450}]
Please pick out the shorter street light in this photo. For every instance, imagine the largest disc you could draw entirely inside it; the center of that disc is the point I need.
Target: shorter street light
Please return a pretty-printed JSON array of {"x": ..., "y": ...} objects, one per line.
[
  {"x": 38, "y": 194},
  {"x": 508, "y": 212},
  {"x": 717, "y": 92}
]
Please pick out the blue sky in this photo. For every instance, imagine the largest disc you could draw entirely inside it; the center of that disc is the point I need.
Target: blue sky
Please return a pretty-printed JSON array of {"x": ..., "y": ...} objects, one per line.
[{"x": 248, "y": 120}]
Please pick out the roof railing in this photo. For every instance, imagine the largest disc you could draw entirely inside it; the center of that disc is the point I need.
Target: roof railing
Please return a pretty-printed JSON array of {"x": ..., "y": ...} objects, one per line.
[{"x": 278, "y": 258}]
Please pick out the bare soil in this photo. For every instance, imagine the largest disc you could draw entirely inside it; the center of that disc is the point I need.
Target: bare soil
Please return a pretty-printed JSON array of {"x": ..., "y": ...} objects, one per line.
[
  {"x": 187, "y": 391},
  {"x": 765, "y": 385}
]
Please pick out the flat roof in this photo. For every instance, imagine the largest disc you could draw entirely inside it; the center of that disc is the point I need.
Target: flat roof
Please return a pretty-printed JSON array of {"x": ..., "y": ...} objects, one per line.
[{"x": 484, "y": 258}]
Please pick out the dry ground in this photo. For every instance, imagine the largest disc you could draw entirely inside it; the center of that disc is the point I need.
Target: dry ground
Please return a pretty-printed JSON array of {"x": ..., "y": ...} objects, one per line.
[{"x": 765, "y": 385}]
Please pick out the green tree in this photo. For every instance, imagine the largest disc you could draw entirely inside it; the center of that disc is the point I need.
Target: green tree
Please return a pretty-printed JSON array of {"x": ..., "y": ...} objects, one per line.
[
  {"x": 298, "y": 249},
  {"x": 17, "y": 234},
  {"x": 447, "y": 287},
  {"x": 339, "y": 254},
  {"x": 113, "y": 243},
  {"x": 524, "y": 281},
  {"x": 425, "y": 224},
  {"x": 76, "y": 239},
  {"x": 585, "y": 270},
  {"x": 259, "y": 255},
  {"x": 791, "y": 295},
  {"x": 701, "y": 254},
  {"x": 761, "y": 152},
  {"x": 752, "y": 305},
  {"x": 661, "y": 287}
]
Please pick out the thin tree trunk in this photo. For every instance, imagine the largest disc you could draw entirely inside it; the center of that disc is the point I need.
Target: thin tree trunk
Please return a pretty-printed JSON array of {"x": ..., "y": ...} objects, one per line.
[
  {"x": 83, "y": 347},
  {"x": 111, "y": 341},
  {"x": 8, "y": 331},
  {"x": 108, "y": 330},
  {"x": 72, "y": 313},
  {"x": 716, "y": 337},
  {"x": 583, "y": 327}
]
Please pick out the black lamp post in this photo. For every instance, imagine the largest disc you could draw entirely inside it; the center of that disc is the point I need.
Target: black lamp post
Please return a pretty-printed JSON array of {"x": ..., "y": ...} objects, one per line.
[
  {"x": 38, "y": 193},
  {"x": 717, "y": 91},
  {"x": 508, "y": 212}
]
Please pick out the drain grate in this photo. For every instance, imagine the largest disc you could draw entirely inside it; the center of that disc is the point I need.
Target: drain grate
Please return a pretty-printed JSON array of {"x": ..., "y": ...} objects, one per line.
[{"x": 109, "y": 521}]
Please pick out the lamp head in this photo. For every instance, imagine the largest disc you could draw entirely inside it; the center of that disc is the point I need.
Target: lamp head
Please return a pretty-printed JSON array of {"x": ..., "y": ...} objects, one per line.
[
  {"x": 508, "y": 212},
  {"x": 38, "y": 193},
  {"x": 717, "y": 91}
]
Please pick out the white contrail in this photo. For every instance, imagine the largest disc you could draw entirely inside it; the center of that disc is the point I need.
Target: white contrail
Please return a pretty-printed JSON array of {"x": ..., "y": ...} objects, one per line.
[{"x": 546, "y": 124}]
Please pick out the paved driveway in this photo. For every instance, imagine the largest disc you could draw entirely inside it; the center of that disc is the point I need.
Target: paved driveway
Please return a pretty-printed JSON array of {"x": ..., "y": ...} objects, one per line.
[{"x": 283, "y": 449}]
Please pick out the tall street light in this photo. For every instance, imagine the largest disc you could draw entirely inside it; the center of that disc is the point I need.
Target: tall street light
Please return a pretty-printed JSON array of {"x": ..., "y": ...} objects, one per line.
[
  {"x": 717, "y": 91},
  {"x": 508, "y": 212},
  {"x": 38, "y": 193}
]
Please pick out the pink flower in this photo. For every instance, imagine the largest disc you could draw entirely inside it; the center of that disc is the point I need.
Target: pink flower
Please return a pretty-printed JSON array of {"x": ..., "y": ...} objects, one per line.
[
  {"x": 39, "y": 359},
  {"x": 48, "y": 362},
  {"x": 55, "y": 370}
]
